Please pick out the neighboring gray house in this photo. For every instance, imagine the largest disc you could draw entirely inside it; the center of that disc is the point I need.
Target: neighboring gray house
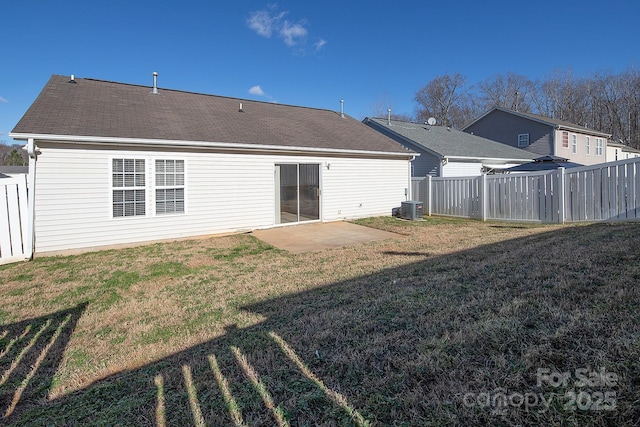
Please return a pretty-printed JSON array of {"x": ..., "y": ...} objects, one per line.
[
  {"x": 116, "y": 163},
  {"x": 541, "y": 135},
  {"x": 448, "y": 152}
]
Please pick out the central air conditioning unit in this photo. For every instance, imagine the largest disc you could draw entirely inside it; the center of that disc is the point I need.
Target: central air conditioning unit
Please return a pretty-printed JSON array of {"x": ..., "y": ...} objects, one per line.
[{"x": 411, "y": 210}]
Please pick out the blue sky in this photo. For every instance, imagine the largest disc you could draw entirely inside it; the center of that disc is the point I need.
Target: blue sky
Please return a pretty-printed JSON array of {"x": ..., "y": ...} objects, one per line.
[{"x": 371, "y": 54}]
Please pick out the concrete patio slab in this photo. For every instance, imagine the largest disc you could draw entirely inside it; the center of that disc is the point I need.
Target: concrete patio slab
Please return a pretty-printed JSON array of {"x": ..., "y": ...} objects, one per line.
[{"x": 318, "y": 236}]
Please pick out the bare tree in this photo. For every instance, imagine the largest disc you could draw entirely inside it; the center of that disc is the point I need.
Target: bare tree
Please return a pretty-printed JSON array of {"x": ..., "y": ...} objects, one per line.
[
  {"x": 603, "y": 101},
  {"x": 444, "y": 98},
  {"x": 511, "y": 91},
  {"x": 630, "y": 109},
  {"x": 380, "y": 109}
]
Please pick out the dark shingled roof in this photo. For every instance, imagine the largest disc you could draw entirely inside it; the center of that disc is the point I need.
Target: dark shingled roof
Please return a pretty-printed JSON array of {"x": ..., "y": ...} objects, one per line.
[{"x": 96, "y": 108}]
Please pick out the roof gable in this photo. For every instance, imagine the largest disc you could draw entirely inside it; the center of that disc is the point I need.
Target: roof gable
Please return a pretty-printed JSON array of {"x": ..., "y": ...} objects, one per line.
[
  {"x": 554, "y": 123},
  {"x": 448, "y": 142},
  {"x": 101, "y": 109}
]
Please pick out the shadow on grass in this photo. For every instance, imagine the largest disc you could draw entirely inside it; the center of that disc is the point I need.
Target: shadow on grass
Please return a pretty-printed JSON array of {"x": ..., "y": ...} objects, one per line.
[
  {"x": 30, "y": 353},
  {"x": 435, "y": 342}
]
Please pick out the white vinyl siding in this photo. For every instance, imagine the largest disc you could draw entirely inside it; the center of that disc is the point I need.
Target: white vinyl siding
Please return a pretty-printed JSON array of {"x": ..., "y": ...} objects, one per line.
[
  {"x": 226, "y": 192},
  {"x": 456, "y": 168},
  {"x": 523, "y": 140}
]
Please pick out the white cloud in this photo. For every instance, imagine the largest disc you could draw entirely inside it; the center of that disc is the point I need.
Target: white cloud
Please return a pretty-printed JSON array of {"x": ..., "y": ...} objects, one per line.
[
  {"x": 293, "y": 34},
  {"x": 269, "y": 21},
  {"x": 256, "y": 90},
  {"x": 3, "y": 100},
  {"x": 319, "y": 44},
  {"x": 263, "y": 22}
]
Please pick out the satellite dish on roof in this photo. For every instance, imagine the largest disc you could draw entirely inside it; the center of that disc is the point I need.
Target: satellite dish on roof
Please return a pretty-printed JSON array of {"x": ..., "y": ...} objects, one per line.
[{"x": 431, "y": 121}]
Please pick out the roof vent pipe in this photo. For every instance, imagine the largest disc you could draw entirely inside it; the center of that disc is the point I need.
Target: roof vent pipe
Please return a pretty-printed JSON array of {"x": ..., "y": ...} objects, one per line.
[
  {"x": 240, "y": 108},
  {"x": 342, "y": 108},
  {"x": 155, "y": 82},
  {"x": 389, "y": 116},
  {"x": 72, "y": 79}
]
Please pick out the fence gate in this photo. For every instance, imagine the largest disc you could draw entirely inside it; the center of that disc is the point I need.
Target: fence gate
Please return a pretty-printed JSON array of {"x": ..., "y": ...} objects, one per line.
[{"x": 13, "y": 219}]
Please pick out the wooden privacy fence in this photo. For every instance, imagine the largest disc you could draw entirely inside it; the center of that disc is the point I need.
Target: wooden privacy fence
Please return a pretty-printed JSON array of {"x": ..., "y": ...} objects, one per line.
[
  {"x": 605, "y": 192},
  {"x": 13, "y": 219}
]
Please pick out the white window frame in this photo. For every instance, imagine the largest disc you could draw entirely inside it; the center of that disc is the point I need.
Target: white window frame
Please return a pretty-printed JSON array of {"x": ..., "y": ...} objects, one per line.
[
  {"x": 133, "y": 184},
  {"x": 599, "y": 146},
  {"x": 169, "y": 176},
  {"x": 523, "y": 140},
  {"x": 574, "y": 143},
  {"x": 587, "y": 145}
]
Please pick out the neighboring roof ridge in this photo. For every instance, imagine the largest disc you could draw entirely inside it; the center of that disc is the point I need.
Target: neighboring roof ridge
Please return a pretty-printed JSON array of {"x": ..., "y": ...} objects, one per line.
[{"x": 448, "y": 141}]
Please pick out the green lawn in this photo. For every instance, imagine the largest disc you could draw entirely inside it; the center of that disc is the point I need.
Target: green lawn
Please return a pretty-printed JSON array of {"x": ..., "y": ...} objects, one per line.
[{"x": 453, "y": 322}]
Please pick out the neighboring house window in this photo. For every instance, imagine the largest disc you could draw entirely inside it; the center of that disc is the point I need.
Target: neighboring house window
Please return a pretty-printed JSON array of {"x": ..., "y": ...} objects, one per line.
[
  {"x": 587, "y": 145},
  {"x": 523, "y": 140},
  {"x": 574, "y": 144},
  {"x": 169, "y": 186},
  {"x": 598, "y": 146},
  {"x": 128, "y": 182},
  {"x": 565, "y": 139}
]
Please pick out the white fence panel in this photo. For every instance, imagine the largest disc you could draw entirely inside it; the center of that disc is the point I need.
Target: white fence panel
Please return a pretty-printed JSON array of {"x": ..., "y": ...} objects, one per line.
[
  {"x": 522, "y": 197},
  {"x": 13, "y": 219},
  {"x": 606, "y": 192},
  {"x": 455, "y": 197}
]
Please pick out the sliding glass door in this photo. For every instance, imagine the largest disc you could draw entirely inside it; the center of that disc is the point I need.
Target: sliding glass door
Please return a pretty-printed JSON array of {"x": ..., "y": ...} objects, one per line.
[{"x": 297, "y": 192}]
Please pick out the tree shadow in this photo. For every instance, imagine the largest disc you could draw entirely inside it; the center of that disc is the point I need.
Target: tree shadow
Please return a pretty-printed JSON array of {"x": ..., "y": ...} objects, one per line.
[{"x": 412, "y": 345}]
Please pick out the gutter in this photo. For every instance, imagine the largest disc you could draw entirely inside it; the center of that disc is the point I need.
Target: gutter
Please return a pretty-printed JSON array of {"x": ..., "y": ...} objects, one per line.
[
  {"x": 224, "y": 146},
  {"x": 29, "y": 240},
  {"x": 487, "y": 159},
  {"x": 581, "y": 130}
]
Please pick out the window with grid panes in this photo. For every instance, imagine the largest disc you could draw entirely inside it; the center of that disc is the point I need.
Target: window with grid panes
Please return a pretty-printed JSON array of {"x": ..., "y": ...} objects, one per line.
[
  {"x": 169, "y": 186},
  {"x": 587, "y": 146},
  {"x": 523, "y": 140},
  {"x": 599, "y": 147},
  {"x": 128, "y": 187}
]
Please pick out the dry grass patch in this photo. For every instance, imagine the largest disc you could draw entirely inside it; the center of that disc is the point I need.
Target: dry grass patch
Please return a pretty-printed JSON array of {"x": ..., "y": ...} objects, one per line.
[{"x": 408, "y": 331}]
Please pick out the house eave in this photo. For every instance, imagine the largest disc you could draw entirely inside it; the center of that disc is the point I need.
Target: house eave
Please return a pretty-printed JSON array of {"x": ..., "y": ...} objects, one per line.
[
  {"x": 210, "y": 145},
  {"x": 581, "y": 130}
]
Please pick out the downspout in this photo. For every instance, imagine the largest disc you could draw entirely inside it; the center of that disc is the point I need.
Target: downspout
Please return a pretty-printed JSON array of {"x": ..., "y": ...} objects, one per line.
[
  {"x": 410, "y": 187},
  {"x": 29, "y": 241}
]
